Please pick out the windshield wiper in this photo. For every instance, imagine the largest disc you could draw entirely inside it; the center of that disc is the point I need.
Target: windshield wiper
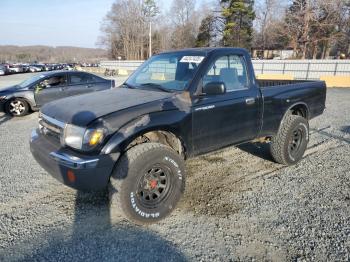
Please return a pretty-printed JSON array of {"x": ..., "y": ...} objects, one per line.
[{"x": 159, "y": 87}]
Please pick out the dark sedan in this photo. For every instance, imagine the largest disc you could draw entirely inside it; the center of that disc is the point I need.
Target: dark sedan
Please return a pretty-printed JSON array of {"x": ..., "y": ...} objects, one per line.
[{"x": 33, "y": 93}]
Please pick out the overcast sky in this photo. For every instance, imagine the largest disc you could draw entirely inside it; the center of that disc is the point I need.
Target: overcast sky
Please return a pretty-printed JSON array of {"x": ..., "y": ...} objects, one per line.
[{"x": 54, "y": 22}]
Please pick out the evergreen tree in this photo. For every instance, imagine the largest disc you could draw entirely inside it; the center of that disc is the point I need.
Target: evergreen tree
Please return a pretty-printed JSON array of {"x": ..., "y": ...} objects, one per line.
[{"x": 239, "y": 16}]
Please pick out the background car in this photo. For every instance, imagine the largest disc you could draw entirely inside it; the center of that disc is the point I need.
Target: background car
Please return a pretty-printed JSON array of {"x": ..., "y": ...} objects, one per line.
[
  {"x": 33, "y": 69},
  {"x": 13, "y": 69},
  {"x": 33, "y": 93},
  {"x": 69, "y": 67},
  {"x": 3, "y": 70}
]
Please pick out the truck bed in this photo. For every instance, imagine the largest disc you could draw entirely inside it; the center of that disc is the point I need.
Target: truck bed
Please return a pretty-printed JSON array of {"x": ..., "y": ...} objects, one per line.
[
  {"x": 268, "y": 83},
  {"x": 279, "y": 95}
]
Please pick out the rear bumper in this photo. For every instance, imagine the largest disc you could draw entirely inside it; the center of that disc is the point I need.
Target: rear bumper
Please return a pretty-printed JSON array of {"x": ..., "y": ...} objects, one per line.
[{"x": 70, "y": 168}]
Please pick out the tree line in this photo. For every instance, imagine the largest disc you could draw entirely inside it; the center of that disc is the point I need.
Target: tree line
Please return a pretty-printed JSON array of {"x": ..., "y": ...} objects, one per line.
[
  {"x": 311, "y": 28},
  {"x": 48, "y": 54}
]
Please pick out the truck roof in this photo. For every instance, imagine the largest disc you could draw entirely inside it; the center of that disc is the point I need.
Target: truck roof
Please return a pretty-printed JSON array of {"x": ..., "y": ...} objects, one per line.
[{"x": 205, "y": 50}]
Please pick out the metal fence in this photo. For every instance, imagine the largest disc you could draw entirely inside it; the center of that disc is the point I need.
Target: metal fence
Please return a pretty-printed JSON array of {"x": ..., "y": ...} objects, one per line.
[
  {"x": 300, "y": 69},
  {"x": 130, "y": 65},
  {"x": 303, "y": 69}
]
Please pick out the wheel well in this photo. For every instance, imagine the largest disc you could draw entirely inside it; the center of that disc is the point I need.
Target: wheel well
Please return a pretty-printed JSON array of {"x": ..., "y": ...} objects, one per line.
[
  {"x": 162, "y": 137},
  {"x": 300, "y": 110},
  {"x": 22, "y": 98}
]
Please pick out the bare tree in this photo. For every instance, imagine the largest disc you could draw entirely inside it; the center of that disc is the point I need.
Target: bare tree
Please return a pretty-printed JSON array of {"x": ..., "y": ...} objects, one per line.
[
  {"x": 298, "y": 19},
  {"x": 185, "y": 23},
  {"x": 328, "y": 26},
  {"x": 314, "y": 26},
  {"x": 125, "y": 26},
  {"x": 343, "y": 42},
  {"x": 269, "y": 14}
]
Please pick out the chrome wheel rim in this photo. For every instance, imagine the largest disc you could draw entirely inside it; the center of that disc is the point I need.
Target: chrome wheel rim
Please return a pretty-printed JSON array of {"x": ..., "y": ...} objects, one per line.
[{"x": 17, "y": 107}]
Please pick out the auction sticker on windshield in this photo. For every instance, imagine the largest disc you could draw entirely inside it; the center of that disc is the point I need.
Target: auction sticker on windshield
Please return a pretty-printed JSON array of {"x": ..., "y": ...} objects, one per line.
[{"x": 192, "y": 59}]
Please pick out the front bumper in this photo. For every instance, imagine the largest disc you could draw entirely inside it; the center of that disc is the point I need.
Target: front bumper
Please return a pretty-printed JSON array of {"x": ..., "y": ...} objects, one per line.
[
  {"x": 2, "y": 105},
  {"x": 75, "y": 170}
]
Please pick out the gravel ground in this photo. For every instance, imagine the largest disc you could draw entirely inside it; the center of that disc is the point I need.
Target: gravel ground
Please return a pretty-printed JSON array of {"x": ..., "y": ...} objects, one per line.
[{"x": 238, "y": 205}]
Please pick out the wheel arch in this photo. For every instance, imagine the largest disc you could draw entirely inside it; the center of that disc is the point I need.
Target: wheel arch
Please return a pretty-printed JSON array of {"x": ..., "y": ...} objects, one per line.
[
  {"x": 300, "y": 109},
  {"x": 162, "y": 136},
  {"x": 142, "y": 131},
  {"x": 30, "y": 104}
]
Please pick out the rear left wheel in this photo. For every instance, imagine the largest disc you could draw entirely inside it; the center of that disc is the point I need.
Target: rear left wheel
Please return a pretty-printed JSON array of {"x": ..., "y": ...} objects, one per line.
[
  {"x": 289, "y": 145},
  {"x": 17, "y": 107}
]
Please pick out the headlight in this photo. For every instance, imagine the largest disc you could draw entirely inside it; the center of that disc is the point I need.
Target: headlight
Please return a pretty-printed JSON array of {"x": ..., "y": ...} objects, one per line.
[
  {"x": 81, "y": 138},
  {"x": 73, "y": 136}
]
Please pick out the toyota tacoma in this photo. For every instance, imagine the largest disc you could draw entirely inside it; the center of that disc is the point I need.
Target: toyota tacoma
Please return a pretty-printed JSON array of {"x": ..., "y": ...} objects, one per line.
[{"x": 134, "y": 140}]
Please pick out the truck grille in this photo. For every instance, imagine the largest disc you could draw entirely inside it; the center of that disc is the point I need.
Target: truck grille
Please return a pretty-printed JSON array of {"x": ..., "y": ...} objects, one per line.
[{"x": 50, "y": 127}]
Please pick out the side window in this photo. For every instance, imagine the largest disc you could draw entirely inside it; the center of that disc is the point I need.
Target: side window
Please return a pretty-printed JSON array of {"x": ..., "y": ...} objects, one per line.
[
  {"x": 93, "y": 79},
  {"x": 230, "y": 70},
  {"x": 54, "y": 81},
  {"x": 76, "y": 79}
]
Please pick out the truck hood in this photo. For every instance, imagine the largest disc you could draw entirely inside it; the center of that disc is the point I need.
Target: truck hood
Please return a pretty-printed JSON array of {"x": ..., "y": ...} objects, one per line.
[{"x": 82, "y": 110}]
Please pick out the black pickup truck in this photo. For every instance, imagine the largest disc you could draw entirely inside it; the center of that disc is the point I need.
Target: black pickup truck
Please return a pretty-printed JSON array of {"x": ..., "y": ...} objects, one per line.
[{"x": 134, "y": 139}]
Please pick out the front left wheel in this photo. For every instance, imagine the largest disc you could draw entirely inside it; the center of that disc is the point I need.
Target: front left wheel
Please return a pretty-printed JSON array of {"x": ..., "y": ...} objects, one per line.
[
  {"x": 148, "y": 182},
  {"x": 17, "y": 107}
]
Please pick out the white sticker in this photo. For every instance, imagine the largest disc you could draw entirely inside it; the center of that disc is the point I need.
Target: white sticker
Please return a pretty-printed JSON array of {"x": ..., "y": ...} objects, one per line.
[{"x": 192, "y": 59}]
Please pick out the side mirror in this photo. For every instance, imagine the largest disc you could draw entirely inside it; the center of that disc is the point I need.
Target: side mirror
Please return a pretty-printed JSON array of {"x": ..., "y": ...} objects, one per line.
[{"x": 214, "y": 88}]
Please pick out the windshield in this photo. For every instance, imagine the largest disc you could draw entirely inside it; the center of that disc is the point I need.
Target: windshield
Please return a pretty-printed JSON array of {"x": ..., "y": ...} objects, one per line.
[
  {"x": 31, "y": 80},
  {"x": 168, "y": 72}
]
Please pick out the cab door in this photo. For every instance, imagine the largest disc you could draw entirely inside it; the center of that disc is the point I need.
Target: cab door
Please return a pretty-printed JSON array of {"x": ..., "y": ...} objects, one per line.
[
  {"x": 50, "y": 88},
  {"x": 228, "y": 118}
]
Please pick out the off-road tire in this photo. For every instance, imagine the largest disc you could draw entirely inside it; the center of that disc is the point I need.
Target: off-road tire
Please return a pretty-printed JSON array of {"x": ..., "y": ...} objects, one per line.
[
  {"x": 24, "y": 107},
  {"x": 283, "y": 142},
  {"x": 130, "y": 174}
]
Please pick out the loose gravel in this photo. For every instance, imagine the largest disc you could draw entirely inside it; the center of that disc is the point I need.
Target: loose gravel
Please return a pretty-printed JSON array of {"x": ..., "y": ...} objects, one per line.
[{"x": 238, "y": 205}]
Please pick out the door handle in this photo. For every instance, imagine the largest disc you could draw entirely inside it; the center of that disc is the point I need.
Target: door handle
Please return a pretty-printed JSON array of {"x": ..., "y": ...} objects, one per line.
[
  {"x": 88, "y": 86},
  {"x": 250, "y": 101}
]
